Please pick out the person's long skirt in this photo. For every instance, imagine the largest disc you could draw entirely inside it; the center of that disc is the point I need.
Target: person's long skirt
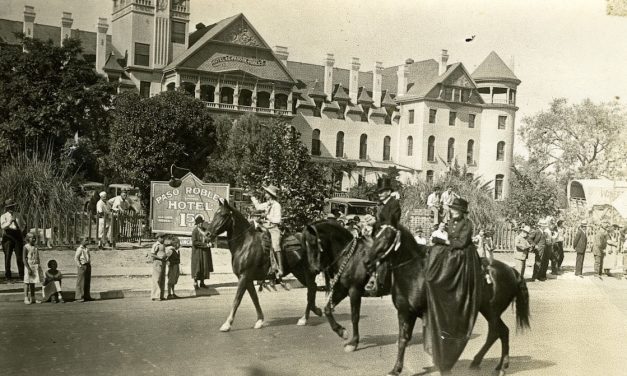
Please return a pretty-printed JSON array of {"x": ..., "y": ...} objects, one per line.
[{"x": 202, "y": 264}]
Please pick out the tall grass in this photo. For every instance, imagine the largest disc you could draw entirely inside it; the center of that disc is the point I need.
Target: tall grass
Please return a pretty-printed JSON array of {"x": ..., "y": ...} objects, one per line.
[{"x": 35, "y": 181}]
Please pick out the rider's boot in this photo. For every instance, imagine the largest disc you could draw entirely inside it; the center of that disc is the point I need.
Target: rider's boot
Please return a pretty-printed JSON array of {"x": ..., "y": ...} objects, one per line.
[
  {"x": 279, "y": 259},
  {"x": 372, "y": 283}
]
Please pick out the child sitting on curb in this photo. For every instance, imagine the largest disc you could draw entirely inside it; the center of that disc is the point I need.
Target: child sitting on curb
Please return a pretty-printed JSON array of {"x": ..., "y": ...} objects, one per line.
[{"x": 52, "y": 284}]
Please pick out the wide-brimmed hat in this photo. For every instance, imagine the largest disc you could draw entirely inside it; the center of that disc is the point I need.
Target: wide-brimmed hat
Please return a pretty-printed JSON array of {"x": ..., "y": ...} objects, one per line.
[
  {"x": 584, "y": 223},
  {"x": 272, "y": 190},
  {"x": 8, "y": 203},
  {"x": 459, "y": 204},
  {"x": 543, "y": 223},
  {"x": 384, "y": 184},
  {"x": 526, "y": 229},
  {"x": 330, "y": 216},
  {"x": 198, "y": 220}
]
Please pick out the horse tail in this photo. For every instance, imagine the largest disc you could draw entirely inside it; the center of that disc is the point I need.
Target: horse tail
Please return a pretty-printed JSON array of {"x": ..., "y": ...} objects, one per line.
[{"x": 522, "y": 304}]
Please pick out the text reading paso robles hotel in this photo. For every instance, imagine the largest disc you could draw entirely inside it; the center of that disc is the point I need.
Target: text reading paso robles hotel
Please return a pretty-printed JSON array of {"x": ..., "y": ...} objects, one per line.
[{"x": 190, "y": 205}]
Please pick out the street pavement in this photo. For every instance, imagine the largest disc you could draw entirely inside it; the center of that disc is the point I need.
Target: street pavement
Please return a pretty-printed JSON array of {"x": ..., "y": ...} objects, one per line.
[{"x": 578, "y": 328}]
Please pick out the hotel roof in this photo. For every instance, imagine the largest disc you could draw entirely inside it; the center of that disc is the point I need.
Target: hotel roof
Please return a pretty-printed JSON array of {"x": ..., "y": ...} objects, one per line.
[{"x": 494, "y": 68}]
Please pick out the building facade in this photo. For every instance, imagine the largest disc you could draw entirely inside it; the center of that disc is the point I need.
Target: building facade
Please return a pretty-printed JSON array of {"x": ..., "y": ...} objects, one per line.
[{"x": 421, "y": 117}]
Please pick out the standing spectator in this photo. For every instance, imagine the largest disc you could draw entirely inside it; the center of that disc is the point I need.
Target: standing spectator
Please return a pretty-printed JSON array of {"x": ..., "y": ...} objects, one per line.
[
  {"x": 447, "y": 200},
  {"x": 433, "y": 203},
  {"x": 522, "y": 250},
  {"x": 484, "y": 244},
  {"x": 14, "y": 228},
  {"x": 34, "y": 273},
  {"x": 52, "y": 284},
  {"x": 103, "y": 210},
  {"x": 202, "y": 264},
  {"x": 611, "y": 256},
  {"x": 174, "y": 260},
  {"x": 158, "y": 269},
  {"x": 599, "y": 244},
  {"x": 119, "y": 205},
  {"x": 420, "y": 238},
  {"x": 580, "y": 244},
  {"x": 540, "y": 244},
  {"x": 558, "y": 244},
  {"x": 82, "y": 258}
]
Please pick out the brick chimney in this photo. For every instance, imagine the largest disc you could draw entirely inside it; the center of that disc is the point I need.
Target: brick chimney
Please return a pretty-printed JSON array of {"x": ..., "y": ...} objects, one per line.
[
  {"x": 443, "y": 61},
  {"x": 101, "y": 44},
  {"x": 29, "y": 20},
  {"x": 329, "y": 62},
  {"x": 377, "y": 77},
  {"x": 281, "y": 53},
  {"x": 402, "y": 77},
  {"x": 66, "y": 26},
  {"x": 353, "y": 87}
]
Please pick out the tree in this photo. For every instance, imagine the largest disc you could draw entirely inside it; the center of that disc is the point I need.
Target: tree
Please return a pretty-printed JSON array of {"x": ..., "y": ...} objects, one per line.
[
  {"x": 533, "y": 195},
  {"x": 148, "y": 135},
  {"x": 252, "y": 153},
  {"x": 47, "y": 95},
  {"x": 585, "y": 140}
]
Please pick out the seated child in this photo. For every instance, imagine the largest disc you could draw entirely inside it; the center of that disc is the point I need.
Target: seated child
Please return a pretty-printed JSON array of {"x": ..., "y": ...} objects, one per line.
[{"x": 52, "y": 284}]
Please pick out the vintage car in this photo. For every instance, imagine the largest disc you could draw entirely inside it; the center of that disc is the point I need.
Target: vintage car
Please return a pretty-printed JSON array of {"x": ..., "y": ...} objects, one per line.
[{"x": 350, "y": 207}]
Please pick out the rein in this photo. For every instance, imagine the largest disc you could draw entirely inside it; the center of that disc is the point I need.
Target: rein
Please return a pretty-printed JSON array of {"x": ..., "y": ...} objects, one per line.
[{"x": 351, "y": 251}]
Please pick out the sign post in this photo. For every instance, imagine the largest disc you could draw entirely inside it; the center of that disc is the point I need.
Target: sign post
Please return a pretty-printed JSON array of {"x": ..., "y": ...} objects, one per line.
[{"x": 173, "y": 210}]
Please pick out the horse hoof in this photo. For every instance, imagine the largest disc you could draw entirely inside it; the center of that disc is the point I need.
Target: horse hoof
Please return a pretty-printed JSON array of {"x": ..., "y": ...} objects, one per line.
[
  {"x": 499, "y": 372},
  {"x": 344, "y": 334},
  {"x": 317, "y": 311},
  {"x": 225, "y": 327},
  {"x": 258, "y": 324},
  {"x": 349, "y": 348},
  {"x": 302, "y": 321},
  {"x": 474, "y": 365}
]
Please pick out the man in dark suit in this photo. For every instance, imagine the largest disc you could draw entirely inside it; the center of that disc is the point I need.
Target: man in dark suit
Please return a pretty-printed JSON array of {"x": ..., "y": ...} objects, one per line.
[
  {"x": 389, "y": 209},
  {"x": 580, "y": 244},
  {"x": 540, "y": 245}
]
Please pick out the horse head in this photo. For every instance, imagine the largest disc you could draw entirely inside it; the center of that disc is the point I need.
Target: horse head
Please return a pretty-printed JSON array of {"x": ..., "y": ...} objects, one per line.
[
  {"x": 311, "y": 243},
  {"x": 385, "y": 242},
  {"x": 222, "y": 219}
]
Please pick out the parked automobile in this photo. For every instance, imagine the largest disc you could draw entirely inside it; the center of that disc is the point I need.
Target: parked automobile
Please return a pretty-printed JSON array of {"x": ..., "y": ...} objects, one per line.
[
  {"x": 350, "y": 207},
  {"x": 90, "y": 191}
]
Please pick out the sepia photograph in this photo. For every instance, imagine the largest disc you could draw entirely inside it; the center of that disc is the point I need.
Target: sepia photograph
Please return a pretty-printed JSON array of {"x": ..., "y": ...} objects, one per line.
[{"x": 329, "y": 187}]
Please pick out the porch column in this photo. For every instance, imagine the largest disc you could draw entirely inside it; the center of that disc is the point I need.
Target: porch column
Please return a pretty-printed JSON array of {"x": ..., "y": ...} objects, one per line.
[
  {"x": 289, "y": 101},
  {"x": 507, "y": 97},
  {"x": 272, "y": 98},
  {"x": 236, "y": 94},
  {"x": 177, "y": 81},
  {"x": 197, "y": 90},
  {"x": 216, "y": 92},
  {"x": 491, "y": 95},
  {"x": 254, "y": 96}
]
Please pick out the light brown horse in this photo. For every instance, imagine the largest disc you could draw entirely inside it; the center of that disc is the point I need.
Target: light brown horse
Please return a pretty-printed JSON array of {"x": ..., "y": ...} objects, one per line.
[{"x": 251, "y": 263}]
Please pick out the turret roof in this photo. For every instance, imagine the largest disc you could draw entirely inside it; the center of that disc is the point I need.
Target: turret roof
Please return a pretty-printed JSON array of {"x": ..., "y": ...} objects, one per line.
[{"x": 494, "y": 68}]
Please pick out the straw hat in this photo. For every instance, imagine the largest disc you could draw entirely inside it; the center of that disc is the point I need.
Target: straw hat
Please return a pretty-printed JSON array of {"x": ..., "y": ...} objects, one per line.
[{"x": 272, "y": 190}]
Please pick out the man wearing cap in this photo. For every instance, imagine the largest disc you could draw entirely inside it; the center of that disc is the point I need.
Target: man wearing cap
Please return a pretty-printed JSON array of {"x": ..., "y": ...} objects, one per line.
[
  {"x": 598, "y": 248},
  {"x": 103, "y": 211},
  {"x": 522, "y": 250},
  {"x": 433, "y": 204},
  {"x": 13, "y": 228},
  {"x": 272, "y": 215},
  {"x": 580, "y": 244}
]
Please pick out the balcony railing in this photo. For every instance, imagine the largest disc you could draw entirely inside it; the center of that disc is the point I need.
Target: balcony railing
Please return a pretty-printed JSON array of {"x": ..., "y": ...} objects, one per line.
[{"x": 237, "y": 107}]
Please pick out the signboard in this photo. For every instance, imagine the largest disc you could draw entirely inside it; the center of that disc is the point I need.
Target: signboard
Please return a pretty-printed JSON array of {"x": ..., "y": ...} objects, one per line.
[
  {"x": 173, "y": 210},
  {"x": 226, "y": 59}
]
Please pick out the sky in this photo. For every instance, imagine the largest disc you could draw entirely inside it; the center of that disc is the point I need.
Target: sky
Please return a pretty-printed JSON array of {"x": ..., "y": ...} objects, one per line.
[{"x": 560, "y": 48}]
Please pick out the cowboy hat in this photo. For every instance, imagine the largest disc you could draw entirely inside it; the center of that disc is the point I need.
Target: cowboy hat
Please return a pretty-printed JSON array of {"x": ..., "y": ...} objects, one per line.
[
  {"x": 526, "y": 229},
  {"x": 272, "y": 190},
  {"x": 384, "y": 184},
  {"x": 9, "y": 203},
  {"x": 459, "y": 204}
]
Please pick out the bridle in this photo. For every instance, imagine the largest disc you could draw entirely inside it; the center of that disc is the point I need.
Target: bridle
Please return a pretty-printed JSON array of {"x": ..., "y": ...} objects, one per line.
[{"x": 396, "y": 244}]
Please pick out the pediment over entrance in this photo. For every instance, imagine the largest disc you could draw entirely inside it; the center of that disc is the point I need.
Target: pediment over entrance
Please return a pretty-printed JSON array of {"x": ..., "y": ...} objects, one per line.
[{"x": 241, "y": 33}]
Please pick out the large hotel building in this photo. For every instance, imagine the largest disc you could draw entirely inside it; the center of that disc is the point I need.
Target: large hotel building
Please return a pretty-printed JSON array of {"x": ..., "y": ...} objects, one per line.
[{"x": 419, "y": 116}]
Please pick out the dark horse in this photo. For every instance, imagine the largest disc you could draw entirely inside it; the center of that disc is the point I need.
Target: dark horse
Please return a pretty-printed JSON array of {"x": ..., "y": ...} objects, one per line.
[
  {"x": 328, "y": 244},
  {"x": 251, "y": 262},
  {"x": 408, "y": 264}
]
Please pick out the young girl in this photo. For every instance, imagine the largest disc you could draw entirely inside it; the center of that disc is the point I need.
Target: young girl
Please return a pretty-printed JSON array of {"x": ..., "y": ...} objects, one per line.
[
  {"x": 33, "y": 273},
  {"x": 174, "y": 261},
  {"x": 52, "y": 284}
]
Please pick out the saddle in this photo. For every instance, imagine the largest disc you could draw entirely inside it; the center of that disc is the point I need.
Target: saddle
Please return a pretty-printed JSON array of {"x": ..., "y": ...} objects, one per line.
[
  {"x": 383, "y": 282},
  {"x": 292, "y": 252}
]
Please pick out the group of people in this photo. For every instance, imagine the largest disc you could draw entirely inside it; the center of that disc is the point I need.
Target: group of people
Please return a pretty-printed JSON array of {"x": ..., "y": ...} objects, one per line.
[{"x": 106, "y": 209}]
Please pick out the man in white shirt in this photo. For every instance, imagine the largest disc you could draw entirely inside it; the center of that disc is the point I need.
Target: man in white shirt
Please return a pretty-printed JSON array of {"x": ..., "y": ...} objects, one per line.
[
  {"x": 447, "y": 199},
  {"x": 440, "y": 233},
  {"x": 420, "y": 239},
  {"x": 13, "y": 228},
  {"x": 120, "y": 203},
  {"x": 103, "y": 211},
  {"x": 433, "y": 203},
  {"x": 273, "y": 218}
]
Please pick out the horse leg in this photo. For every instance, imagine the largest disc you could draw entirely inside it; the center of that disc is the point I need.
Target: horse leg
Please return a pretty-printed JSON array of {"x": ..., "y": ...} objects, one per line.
[
  {"x": 253, "y": 296},
  {"x": 241, "y": 288},
  {"x": 503, "y": 331},
  {"x": 406, "y": 322},
  {"x": 493, "y": 335},
  {"x": 355, "y": 296},
  {"x": 309, "y": 281},
  {"x": 336, "y": 298}
]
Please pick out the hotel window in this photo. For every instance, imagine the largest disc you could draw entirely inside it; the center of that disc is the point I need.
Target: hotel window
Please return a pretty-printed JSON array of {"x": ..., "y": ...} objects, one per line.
[
  {"x": 448, "y": 93},
  {"x": 410, "y": 146},
  {"x": 470, "y": 159},
  {"x": 500, "y": 151},
  {"x": 430, "y": 176},
  {"x": 432, "y": 114},
  {"x": 498, "y": 187},
  {"x": 339, "y": 145},
  {"x": 458, "y": 95},
  {"x": 502, "y": 120},
  {"x": 451, "y": 118},
  {"x": 466, "y": 95},
  {"x": 386, "y": 148},
  {"x": 363, "y": 146},
  {"x": 471, "y": 120},
  {"x": 431, "y": 149},
  {"x": 142, "y": 54},
  {"x": 411, "y": 116},
  {"x": 315, "y": 142},
  {"x": 144, "y": 89},
  {"x": 178, "y": 32},
  {"x": 450, "y": 152}
]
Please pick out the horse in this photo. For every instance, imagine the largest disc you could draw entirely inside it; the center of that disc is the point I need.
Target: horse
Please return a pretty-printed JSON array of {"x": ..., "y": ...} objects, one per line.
[
  {"x": 251, "y": 263},
  {"x": 328, "y": 244},
  {"x": 408, "y": 261}
]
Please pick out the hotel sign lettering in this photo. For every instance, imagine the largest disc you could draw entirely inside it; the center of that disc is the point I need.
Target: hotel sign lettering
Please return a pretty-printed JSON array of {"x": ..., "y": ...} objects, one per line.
[{"x": 222, "y": 60}]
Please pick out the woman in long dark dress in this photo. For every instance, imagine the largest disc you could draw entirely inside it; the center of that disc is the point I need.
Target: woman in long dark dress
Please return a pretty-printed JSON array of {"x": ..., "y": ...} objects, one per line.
[{"x": 202, "y": 265}]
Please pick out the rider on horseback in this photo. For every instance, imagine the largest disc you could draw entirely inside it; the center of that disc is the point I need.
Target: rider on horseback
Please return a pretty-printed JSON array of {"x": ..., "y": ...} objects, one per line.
[{"x": 272, "y": 219}]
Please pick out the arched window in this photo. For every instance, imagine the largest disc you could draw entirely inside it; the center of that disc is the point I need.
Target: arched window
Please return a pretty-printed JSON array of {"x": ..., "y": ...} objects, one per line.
[
  {"x": 363, "y": 146},
  {"x": 339, "y": 145},
  {"x": 171, "y": 86},
  {"x": 470, "y": 159},
  {"x": 263, "y": 99},
  {"x": 226, "y": 95},
  {"x": 450, "y": 153},
  {"x": 430, "y": 176},
  {"x": 207, "y": 93},
  {"x": 500, "y": 151},
  {"x": 280, "y": 101},
  {"x": 498, "y": 187},
  {"x": 386, "y": 148},
  {"x": 189, "y": 88},
  {"x": 245, "y": 97},
  {"x": 410, "y": 146},
  {"x": 315, "y": 142},
  {"x": 431, "y": 149}
]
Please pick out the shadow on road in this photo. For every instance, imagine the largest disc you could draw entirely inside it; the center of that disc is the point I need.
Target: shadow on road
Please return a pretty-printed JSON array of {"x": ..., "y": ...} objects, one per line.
[
  {"x": 516, "y": 364},
  {"x": 313, "y": 320}
]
